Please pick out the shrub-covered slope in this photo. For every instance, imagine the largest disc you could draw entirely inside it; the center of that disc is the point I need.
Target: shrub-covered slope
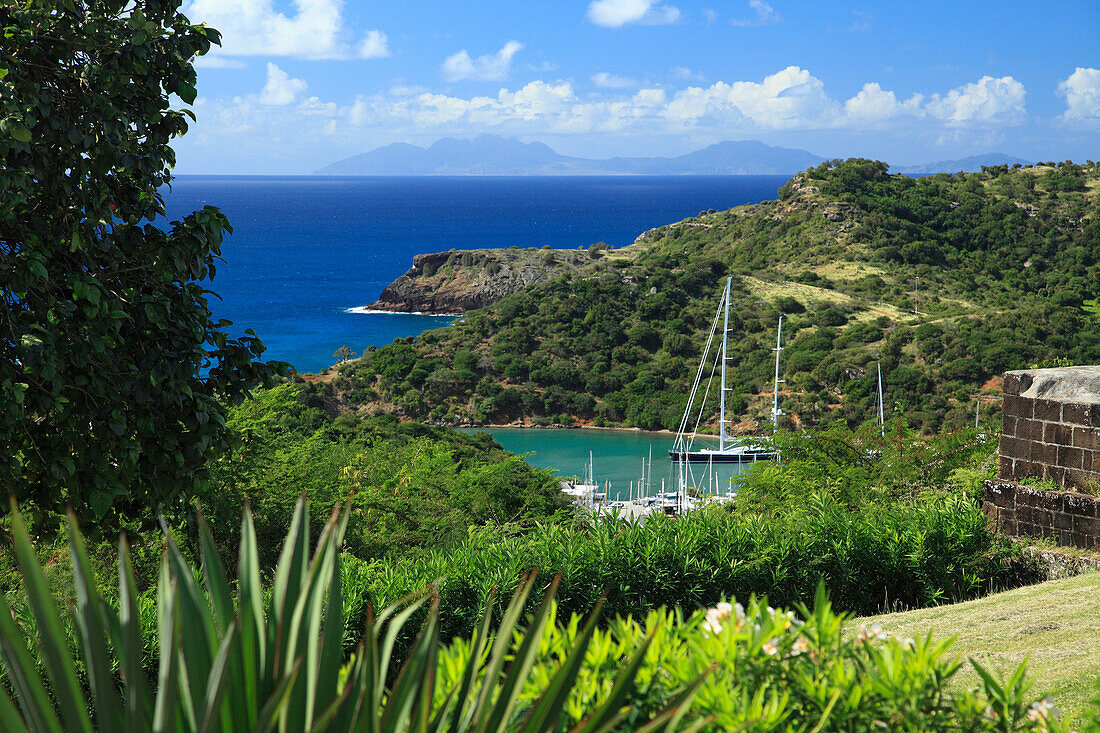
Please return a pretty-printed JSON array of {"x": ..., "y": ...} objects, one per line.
[{"x": 946, "y": 280}]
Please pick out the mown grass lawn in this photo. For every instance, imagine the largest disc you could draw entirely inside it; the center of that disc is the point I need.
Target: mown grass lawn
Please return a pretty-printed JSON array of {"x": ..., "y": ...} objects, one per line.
[{"x": 1055, "y": 624}]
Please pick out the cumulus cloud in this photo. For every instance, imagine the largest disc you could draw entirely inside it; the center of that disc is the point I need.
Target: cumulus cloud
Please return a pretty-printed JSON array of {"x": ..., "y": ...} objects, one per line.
[
  {"x": 986, "y": 101},
  {"x": 281, "y": 89},
  {"x": 788, "y": 99},
  {"x": 765, "y": 15},
  {"x": 253, "y": 27},
  {"x": 616, "y": 13},
  {"x": 1082, "y": 92},
  {"x": 610, "y": 81},
  {"x": 375, "y": 45},
  {"x": 490, "y": 67},
  {"x": 315, "y": 29},
  {"x": 873, "y": 104}
]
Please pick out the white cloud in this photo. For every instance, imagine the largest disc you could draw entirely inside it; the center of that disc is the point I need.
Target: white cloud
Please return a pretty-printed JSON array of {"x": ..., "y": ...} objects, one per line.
[
  {"x": 791, "y": 98},
  {"x": 710, "y": 15},
  {"x": 873, "y": 104},
  {"x": 610, "y": 81},
  {"x": 315, "y": 30},
  {"x": 490, "y": 67},
  {"x": 1082, "y": 92},
  {"x": 280, "y": 88},
  {"x": 210, "y": 61},
  {"x": 616, "y": 13},
  {"x": 986, "y": 101},
  {"x": 254, "y": 27},
  {"x": 375, "y": 45},
  {"x": 765, "y": 15}
]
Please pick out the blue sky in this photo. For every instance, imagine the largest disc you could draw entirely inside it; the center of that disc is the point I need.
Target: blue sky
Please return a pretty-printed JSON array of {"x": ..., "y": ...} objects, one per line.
[{"x": 301, "y": 83}]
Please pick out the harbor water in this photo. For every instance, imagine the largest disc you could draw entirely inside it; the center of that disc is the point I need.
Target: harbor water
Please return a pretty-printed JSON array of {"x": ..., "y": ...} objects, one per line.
[{"x": 617, "y": 455}]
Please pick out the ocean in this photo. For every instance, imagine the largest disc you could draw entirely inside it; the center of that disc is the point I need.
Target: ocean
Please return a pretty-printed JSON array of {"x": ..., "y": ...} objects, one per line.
[{"x": 308, "y": 250}]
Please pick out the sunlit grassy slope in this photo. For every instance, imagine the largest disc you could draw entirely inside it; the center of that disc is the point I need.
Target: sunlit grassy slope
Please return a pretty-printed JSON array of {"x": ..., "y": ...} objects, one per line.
[{"x": 1055, "y": 624}]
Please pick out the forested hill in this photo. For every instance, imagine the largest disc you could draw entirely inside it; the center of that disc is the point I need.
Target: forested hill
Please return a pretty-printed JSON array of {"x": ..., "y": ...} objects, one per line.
[{"x": 946, "y": 280}]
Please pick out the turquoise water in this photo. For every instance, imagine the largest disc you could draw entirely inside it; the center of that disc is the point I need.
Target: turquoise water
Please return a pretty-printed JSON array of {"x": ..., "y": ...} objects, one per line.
[{"x": 617, "y": 455}]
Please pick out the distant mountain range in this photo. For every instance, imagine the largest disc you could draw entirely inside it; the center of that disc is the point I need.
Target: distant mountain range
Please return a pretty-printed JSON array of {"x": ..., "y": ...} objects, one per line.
[
  {"x": 500, "y": 156},
  {"x": 973, "y": 164},
  {"x": 491, "y": 155}
]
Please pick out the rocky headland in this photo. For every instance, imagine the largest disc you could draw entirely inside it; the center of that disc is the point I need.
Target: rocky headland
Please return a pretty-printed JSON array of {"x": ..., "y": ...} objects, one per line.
[{"x": 458, "y": 281}]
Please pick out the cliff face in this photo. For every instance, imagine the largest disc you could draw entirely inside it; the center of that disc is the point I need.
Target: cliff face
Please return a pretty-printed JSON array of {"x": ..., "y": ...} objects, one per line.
[{"x": 455, "y": 282}]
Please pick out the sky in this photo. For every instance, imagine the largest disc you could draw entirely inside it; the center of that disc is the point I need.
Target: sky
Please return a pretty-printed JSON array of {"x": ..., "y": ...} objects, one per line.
[{"x": 298, "y": 84}]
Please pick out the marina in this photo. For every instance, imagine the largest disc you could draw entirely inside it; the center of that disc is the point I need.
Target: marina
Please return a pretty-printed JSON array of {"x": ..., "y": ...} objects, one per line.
[{"x": 621, "y": 460}]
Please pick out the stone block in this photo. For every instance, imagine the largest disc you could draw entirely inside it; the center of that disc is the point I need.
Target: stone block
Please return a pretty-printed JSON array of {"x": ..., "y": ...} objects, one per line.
[
  {"x": 1015, "y": 447},
  {"x": 1018, "y": 406},
  {"x": 1044, "y": 453},
  {"x": 1004, "y": 466},
  {"x": 1079, "y": 505},
  {"x": 1048, "y": 410},
  {"x": 1065, "y": 537},
  {"x": 1008, "y": 425},
  {"x": 1087, "y": 438},
  {"x": 1055, "y": 474},
  {"x": 1057, "y": 433},
  {"x": 1016, "y": 382},
  {"x": 1000, "y": 493},
  {"x": 1087, "y": 526},
  {"x": 1027, "y": 469},
  {"x": 1063, "y": 521},
  {"x": 1070, "y": 457},
  {"x": 1078, "y": 413},
  {"x": 1029, "y": 430}
]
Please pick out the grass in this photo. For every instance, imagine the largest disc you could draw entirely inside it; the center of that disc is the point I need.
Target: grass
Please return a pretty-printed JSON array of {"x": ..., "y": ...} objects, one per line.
[
  {"x": 809, "y": 296},
  {"x": 1055, "y": 624}
]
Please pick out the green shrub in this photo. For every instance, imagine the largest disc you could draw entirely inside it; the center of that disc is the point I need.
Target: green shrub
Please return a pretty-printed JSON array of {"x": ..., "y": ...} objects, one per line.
[
  {"x": 872, "y": 558},
  {"x": 766, "y": 670}
]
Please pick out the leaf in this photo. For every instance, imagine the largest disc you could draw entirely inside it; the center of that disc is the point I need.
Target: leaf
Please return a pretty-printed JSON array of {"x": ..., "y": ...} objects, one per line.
[
  {"x": 186, "y": 92},
  {"x": 21, "y": 134}
]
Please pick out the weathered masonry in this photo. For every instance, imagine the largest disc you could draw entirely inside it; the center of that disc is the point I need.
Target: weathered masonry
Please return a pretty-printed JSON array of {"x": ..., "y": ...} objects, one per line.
[
  {"x": 1052, "y": 427},
  {"x": 1051, "y": 432}
]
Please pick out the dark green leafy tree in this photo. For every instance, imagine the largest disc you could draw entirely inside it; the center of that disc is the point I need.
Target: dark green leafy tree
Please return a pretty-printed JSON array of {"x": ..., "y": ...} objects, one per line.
[{"x": 113, "y": 374}]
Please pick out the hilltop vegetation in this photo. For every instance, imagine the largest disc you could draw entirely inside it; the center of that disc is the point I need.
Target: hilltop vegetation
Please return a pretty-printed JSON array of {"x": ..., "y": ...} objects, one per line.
[{"x": 946, "y": 280}]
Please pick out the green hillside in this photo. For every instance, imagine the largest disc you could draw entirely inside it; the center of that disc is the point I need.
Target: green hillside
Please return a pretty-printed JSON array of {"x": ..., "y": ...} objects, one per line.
[{"x": 946, "y": 280}]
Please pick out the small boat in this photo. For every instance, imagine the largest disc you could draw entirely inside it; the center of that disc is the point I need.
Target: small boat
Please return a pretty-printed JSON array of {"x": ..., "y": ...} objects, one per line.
[{"x": 729, "y": 450}]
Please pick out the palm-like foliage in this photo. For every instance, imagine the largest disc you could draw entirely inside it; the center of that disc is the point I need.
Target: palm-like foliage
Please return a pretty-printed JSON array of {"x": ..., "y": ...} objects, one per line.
[{"x": 233, "y": 662}]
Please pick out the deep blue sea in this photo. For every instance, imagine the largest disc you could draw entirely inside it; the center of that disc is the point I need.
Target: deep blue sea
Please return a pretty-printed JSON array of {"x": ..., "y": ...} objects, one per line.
[{"x": 305, "y": 250}]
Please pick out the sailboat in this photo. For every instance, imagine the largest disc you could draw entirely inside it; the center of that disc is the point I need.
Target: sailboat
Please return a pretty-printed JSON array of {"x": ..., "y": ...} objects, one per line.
[{"x": 729, "y": 450}]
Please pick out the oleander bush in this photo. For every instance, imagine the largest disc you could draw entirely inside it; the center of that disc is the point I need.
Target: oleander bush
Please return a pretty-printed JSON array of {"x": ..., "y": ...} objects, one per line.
[
  {"x": 764, "y": 669},
  {"x": 871, "y": 558}
]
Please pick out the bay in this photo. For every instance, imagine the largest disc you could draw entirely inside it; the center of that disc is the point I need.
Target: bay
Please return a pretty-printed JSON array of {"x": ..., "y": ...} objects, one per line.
[
  {"x": 617, "y": 457},
  {"x": 305, "y": 250}
]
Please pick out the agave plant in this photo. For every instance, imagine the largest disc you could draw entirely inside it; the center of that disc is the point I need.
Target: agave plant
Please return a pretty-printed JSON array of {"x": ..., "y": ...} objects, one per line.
[{"x": 232, "y": 662}]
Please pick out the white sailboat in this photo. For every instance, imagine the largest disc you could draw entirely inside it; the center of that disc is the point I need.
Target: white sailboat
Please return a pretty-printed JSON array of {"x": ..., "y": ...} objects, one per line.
[{"x": 729, "y": 450}]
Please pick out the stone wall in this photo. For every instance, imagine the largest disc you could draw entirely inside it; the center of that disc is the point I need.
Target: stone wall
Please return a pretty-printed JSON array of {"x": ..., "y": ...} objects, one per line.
[
  {"x": 1051, "y": 427},
  {"x": 1070, "y": 518}
]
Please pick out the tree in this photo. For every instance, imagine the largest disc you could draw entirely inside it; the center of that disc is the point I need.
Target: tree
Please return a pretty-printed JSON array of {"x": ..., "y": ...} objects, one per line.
[
  {"x": 343, "y": 353},
  {"x": 114, "y": 377}
]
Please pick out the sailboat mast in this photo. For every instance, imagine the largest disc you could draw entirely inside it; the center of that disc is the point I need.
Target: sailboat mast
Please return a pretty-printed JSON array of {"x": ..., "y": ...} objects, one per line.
[
  {"x": 881, "y": 414},
  {"x": 776, "y": 412},
  {"x": 722, "y": 393}
]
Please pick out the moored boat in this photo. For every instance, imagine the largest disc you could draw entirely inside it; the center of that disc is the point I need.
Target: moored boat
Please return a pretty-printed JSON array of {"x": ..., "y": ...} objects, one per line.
[{"x": 730, "y": 450}]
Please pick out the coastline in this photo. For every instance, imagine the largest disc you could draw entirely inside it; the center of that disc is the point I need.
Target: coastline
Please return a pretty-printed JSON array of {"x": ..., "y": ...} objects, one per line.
[{"x": 366, "y": 310}]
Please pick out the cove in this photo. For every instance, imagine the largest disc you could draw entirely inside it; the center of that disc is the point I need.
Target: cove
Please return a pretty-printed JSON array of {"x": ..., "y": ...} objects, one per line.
[{"x": 617, "y": 455}]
